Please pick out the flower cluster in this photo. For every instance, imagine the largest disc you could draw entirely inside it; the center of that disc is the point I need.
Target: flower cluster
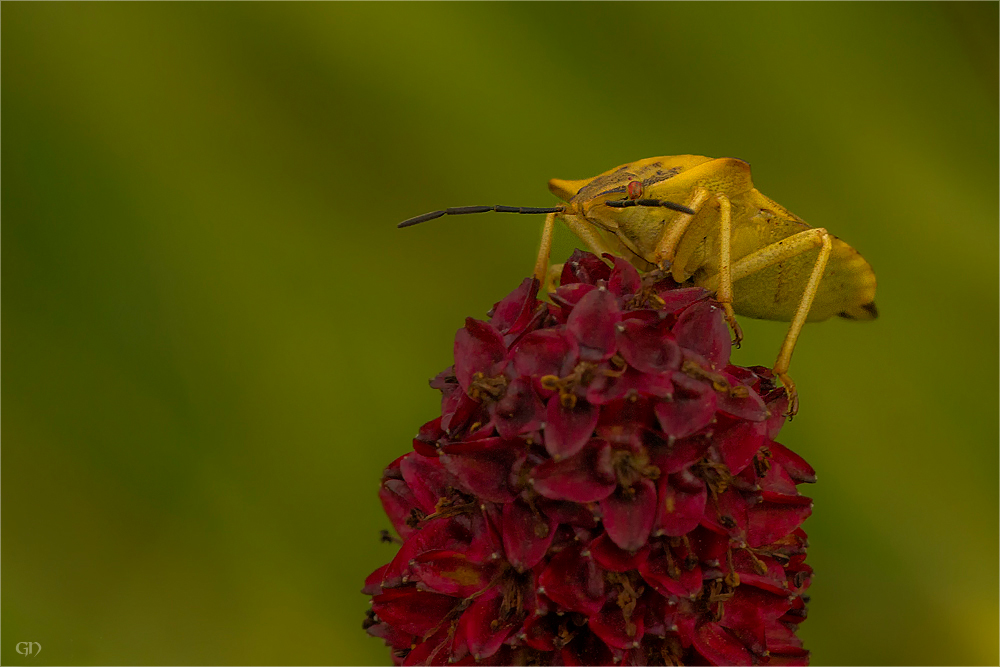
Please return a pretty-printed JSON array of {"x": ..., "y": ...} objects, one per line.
[{"x": 602, "y": 487}]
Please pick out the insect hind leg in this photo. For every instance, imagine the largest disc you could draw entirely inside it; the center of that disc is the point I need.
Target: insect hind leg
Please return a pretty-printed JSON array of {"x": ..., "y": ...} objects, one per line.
[
  {"x": 798, "y": 321},
  {"x": 774, "y": 254}
]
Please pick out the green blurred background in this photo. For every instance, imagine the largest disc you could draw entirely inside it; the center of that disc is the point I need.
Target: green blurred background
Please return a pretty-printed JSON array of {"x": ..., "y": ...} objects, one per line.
[{"x": 214, "y": 337}]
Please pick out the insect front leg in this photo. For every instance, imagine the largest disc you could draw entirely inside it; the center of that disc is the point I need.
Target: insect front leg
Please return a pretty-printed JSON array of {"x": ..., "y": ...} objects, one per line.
[
  {"x": 724, "y": 294},
  {"x": 545, "y": 249},
  {"x": 585, "y": 231},
  {"x": 666, "y": 249},
  {"x": 774, "y": 254}
]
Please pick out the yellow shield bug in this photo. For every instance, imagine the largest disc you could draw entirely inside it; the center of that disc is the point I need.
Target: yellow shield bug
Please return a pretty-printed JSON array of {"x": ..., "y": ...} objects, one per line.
[{"x": 702, "y": 220}]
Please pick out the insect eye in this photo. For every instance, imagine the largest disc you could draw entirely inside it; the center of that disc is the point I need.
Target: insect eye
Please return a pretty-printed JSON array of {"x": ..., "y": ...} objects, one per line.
[{"x": 634, "y": 189}]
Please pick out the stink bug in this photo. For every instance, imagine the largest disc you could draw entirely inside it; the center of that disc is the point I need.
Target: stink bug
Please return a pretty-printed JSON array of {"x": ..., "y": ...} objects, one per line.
[{"x": 702, "y": 220}]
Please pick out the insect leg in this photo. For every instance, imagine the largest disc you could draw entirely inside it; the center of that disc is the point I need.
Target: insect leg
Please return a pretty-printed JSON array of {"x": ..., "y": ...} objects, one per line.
[
  {"x": 724, "y": 295},
  {"x": 666, "y": 249},
  {"x": 545, "y": 249},
  {"x": 785, "y": 355},
  {"x": 667, "y": 245},
  {"x": 586, "y": 232},
  {"x": 769, "y": 256}
]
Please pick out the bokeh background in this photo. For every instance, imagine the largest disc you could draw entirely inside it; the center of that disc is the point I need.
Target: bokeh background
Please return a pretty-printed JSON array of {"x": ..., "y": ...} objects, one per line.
[{"x": 214, "y": 337}]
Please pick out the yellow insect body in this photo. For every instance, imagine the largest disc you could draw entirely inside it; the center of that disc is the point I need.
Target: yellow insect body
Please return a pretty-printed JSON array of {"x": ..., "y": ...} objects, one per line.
[
  {"x": 847, "y": 287},
  {"x": 704, "y": 221}
]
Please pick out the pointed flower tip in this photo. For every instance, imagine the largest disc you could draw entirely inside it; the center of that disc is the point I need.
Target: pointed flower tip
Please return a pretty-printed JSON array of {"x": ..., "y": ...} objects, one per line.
[{"x": 602, "y": 486}]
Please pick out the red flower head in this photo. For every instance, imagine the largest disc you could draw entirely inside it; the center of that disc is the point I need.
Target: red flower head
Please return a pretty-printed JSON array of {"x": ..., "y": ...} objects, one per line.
[{"x": 602, "y": 487}]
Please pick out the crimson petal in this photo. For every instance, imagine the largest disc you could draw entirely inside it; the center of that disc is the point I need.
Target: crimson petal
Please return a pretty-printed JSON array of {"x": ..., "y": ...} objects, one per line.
[
  {"x": 433, "y": 534},
  {"x": 748, "y": 612},
  {"x": 675, "y": 300},
  {"x": 586, "y": 477},
  {"x": 570, "y": 513},
  {"x": 520, "y": 411},
  {"x": 624, "y": 280},
  {"x": 689, "y": 411},
  {"x": 373, "y": 582},
  {"x": 512, "y": 314},
  {"x": 479, "y": 348},
  {"x": 719, "y": 647},
  {"x": 545, "y": 352},
  {"x": 771, "y": 521},
  {"x": 628, "y": 518},
  {"x": 661, "y": 614},
  {"x": 760, "y": 571},
  {"x": 567, "y": 430},
  {"x": 794, "y": 465},
  {"x": 593, "y": 322},
  {"x": 482, "y": 628},
  {"x": 539, "y": 632},
  {"x": 427, "y": 478},
  {"x": 483, "y": 467},
  {"x": 568, "y": 296},
  {"x": 650, "y": 348},
  {"x": 430, "y": 649},
  {"x": 398, "y": 502},
  {"x": 738, "y": 444},
  {"x": 668, "y": 575},
  {"x": 412, "y": 610},
  {"x": 782, "y": 642},
  {"x": 681, "y": 454},
  {"x": 458, "y": 411},
  {"x": 701, "y": 328},
  {"x": 796, "y": 613},
  {"x": 777, "y": 404},
  {"x": 574, "y": 581},
  {"x": 750, "y": 407},
  {"x": 727, "y": 514},
  {"x": 660, "y": 385},
  {"x": 526, "y": 534},
  {"x": 428, "y": 436},
  {"x": 610, "y": 384},
  {"x": 778, "y": 486},
  {"x": 612, "y": 557},
  {"x": 392, "y": 636},
  {"x": 681, "y": 503},
  {"x": 584, "y": 267},
  {"x": 450, "y": 573},
  {"x": 486, "y": 543},
  {"x": 617, "y": 631}
]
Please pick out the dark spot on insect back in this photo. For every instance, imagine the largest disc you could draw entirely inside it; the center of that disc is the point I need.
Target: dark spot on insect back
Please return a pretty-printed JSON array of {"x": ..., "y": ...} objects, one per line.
[
  {"x": 660, "y": 175},
  {"x": 620, "y": 188},
  {"x": 608, "y": 183}
]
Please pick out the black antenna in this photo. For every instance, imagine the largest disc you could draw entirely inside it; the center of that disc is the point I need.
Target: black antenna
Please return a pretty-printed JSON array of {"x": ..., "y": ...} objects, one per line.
[
  {"x": 625, "y": 203},
  {"x": 462, "y": 210}
]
